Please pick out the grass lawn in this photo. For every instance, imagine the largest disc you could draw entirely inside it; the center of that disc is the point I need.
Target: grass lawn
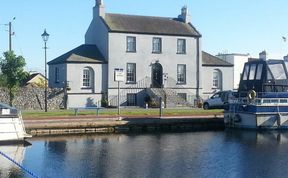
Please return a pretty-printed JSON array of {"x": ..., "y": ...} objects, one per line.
[{"x": 124, "y": 112}]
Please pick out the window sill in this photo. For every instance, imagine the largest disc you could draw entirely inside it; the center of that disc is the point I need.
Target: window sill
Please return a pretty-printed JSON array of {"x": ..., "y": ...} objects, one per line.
[
  {"x": 130, "y": 51},
  {"x": 181, "y": 83},
  {"x": 156, "y": 52},
  {"x": 182, "y": 53},
  {"x": 86, "y": 88},
  {"x": 131, "y": 83}
]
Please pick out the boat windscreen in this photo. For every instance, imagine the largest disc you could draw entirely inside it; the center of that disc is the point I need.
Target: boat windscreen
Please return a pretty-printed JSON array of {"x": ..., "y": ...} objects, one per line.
[
  {"x": 5, "y": 106},
  {"x": 245, "y": 72},
  {"x": 277, "y": 70},
  {"x": 252, "y": 72}
]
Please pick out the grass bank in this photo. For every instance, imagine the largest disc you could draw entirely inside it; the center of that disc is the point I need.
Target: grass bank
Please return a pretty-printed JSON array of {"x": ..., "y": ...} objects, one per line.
[{"x": 124, "y": 112}]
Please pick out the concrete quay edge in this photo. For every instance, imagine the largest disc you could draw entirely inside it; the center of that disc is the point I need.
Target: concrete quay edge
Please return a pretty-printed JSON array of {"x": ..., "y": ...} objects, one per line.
[{"x": 88, "y": 124}]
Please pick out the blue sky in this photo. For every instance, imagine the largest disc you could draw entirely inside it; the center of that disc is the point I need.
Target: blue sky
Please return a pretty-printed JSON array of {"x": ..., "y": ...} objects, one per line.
[{"x": 246, "y": 26}]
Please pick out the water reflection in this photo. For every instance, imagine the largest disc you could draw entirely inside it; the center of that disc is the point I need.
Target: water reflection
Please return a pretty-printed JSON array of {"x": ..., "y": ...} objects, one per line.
[
  {"x": 256, "y": 154},
  {"x": 195, "y": 154},
  {"x": 258, "y": 137},
  {"x": 8, "y": 168}
]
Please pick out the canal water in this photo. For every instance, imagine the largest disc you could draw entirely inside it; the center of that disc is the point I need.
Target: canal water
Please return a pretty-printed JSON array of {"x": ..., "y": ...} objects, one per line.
[{"x": 222, "y": 154}]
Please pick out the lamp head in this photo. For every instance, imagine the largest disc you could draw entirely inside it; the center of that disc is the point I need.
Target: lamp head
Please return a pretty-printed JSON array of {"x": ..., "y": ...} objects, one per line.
[{"x": 45, "y": 36}]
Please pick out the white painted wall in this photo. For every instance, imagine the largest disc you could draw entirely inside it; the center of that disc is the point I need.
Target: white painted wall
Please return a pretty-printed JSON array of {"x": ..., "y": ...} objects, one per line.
[
  {"x": 238, "y": 60},
  {"x": 75, "y": 78},
  {"x": 79, "y": 95},
  {"x": 118, "y": 57},
  {"x": 73, "y": 74},
  {"x": 83, "y": 100},
  {"x": 207, "y": 78},
  {"x": 97, "y": 34}
]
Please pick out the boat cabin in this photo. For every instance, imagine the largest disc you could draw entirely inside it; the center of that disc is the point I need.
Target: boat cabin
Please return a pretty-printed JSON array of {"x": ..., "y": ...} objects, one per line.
[{"x": 264, "y": 76}]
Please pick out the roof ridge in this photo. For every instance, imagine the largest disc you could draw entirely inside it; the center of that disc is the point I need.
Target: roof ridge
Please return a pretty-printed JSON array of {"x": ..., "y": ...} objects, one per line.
[
  {"x": 140, "y": 24},
  {"x": 171, "y": 18},
  {"x": 215, "y": 58},
  {"x": 88, "y": 51}
]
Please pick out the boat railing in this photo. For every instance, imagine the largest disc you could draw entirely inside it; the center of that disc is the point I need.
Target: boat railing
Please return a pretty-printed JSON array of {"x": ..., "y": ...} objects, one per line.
[
  {"x": 264, "y": 99},
  {"x": 274, "y": 87}
]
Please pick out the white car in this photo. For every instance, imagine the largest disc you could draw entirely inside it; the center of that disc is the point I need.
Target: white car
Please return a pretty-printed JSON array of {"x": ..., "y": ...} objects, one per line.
[{"x": 219, "y": 100}]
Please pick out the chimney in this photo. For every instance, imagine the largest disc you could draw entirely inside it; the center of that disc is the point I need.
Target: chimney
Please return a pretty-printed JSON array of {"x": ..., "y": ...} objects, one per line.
[
  {"x": 263, "y": 55},
  {"x": 99, "y": 9},
  {"x": 184, "y": 16}
]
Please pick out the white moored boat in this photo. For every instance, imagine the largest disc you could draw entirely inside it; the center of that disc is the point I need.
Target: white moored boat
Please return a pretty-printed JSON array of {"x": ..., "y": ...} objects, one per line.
[
  {"x": 262, "y": 101},
  {"x": 11, "y": 125}
]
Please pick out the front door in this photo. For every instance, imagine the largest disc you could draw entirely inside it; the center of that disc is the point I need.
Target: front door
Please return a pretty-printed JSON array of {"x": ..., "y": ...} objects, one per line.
[{"x": 157, "y": 75}]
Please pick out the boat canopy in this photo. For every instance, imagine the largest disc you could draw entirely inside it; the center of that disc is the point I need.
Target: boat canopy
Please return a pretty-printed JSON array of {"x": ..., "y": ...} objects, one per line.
[{"x": 264, "y": 76}]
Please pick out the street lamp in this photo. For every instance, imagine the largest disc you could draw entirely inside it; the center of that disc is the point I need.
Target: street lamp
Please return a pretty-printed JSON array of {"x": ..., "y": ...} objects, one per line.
[{"x": 45, "y": 37}]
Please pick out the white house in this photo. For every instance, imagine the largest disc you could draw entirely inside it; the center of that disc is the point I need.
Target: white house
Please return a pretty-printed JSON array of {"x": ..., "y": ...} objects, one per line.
[
  {"x": 160, "y": 57},
  {"x": 156, "y": 57},
  {"x": 83, "y": 71},
  {"x": 217, "y": 75},
  {"x": 238, "y": 60}
]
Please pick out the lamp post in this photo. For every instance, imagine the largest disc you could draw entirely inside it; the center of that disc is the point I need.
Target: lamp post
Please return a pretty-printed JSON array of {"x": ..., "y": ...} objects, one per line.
[
  {"x": 10, "y": 33},
  {"x": 45, "y": 37}
]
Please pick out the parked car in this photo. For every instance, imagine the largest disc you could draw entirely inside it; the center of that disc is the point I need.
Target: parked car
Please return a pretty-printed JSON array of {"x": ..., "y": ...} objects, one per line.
[{"x": 219, "y": 100}]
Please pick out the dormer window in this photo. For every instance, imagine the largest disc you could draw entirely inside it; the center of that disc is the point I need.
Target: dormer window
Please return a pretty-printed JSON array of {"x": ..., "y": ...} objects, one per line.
[{"x": 131, "y": 44}]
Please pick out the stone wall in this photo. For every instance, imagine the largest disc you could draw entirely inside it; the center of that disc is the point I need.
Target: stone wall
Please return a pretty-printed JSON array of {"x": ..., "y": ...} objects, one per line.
[{"x": 32, "y": 98}]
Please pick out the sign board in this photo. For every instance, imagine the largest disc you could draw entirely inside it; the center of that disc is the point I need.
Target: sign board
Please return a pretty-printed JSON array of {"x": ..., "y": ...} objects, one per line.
[{"x": 119, "y": 75}]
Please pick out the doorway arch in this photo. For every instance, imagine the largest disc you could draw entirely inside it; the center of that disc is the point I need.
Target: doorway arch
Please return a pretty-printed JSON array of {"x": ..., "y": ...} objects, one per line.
[{"x": 157, "y": 75}]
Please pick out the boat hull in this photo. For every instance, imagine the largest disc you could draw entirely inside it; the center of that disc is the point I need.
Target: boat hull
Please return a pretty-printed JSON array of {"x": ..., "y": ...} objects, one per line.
[
  {"x": 12, "y": 130},
  {"x": 263, "y": 120}
]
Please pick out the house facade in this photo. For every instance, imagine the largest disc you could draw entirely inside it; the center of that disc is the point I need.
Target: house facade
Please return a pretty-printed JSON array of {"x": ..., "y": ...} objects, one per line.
[
  {"x": 238, "y": 60},
  {"x": 81, "y": 72},
  {"x": 217, "y": 76},
  {"x": 157, "y": 56}
]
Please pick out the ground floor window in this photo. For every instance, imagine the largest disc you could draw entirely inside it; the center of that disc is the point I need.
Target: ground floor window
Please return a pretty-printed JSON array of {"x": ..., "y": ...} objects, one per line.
[
  {"x": 183, "y": 96},
  {"x": 217, "y": 79},
  {"x": 131, "y": 73},
  {"x": 131, "y": 99},
  {"x": 181, "y": 74},
  {"x": 87, "y": 77}
]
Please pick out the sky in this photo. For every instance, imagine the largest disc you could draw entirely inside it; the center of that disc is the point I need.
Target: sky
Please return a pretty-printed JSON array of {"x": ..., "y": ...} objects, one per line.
[{"x": 227, "y": 26}]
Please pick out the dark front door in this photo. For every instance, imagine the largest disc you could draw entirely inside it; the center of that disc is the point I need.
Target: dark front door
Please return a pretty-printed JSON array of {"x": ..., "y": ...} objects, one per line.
[{"x": 157, "y": 75}]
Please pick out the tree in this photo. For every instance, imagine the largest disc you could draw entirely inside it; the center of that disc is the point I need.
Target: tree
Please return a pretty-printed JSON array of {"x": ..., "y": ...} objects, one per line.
[
  {"x": 12, "y": 68},
  {"x": 2, "y": 80}
]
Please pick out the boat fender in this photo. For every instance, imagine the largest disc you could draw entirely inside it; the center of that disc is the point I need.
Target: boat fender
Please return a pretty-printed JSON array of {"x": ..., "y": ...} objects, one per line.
[{"x": 251, "y": 95}]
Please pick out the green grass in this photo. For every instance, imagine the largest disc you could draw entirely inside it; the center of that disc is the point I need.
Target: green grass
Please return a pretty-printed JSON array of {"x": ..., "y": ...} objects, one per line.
[{"x": 124, "y": 112}]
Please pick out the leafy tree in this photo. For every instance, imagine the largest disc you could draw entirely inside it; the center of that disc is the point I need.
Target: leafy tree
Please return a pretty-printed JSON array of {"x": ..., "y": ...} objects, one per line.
[
  {"x": 12, "y": 68},
  {"x": 2, "y": 80}
]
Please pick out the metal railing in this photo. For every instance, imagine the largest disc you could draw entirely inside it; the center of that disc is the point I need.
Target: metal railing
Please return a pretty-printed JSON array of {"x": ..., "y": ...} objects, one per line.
[{"x": 169, "y": 93}]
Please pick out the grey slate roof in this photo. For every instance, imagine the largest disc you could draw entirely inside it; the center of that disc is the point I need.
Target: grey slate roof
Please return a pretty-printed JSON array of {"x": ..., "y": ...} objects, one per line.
[
  {"x": 210, "y": 60},
  {"x": 149, "y": 25},
  {"x": 82, "y": 54}
]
